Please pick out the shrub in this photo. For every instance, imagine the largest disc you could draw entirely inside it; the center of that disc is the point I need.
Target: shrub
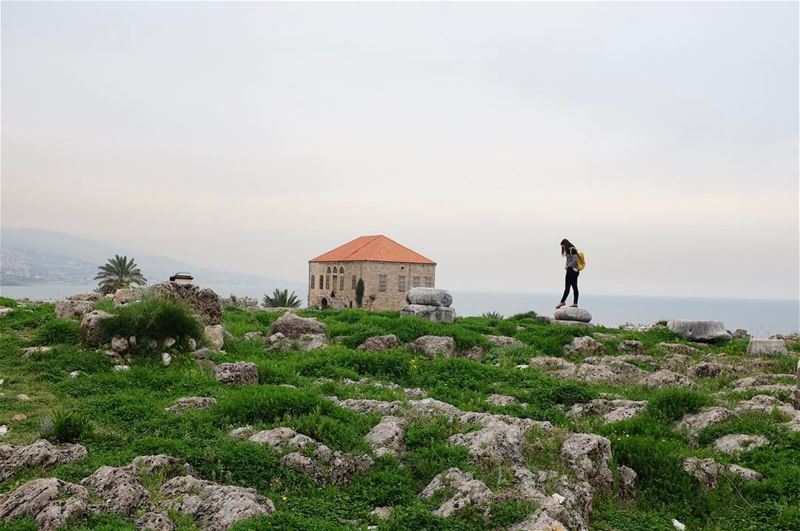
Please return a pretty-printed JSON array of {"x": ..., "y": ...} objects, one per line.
[
  {"x": 66, "y": 427},
  {"x": 8, "y": 303},
  {"x": 59, "y": 331},
  {"x": 153, "y": 318},
  {"x": 492, "y": 315}
]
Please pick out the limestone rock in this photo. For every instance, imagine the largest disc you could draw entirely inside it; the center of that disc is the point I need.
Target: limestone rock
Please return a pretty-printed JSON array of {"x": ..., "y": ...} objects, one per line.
[
  {"x": 587, "y": 455},
  {"x": 28, "y": 352},
  {"x": 703, "y": 331},
  {"x": 666, "y": 378},
  {"x": 429, "y": 297},
  {"x": 311, "y": 342},
  {"x": 214, "y": 336},
  {"x": 204, "y": 302},
  {"x": 386, "y": 437},
  {"x": 611, "y": 410},
  {"x": 739, "y": 442},
  {"x": 239, "y": 373},
  {"x": 437, "y": 314},
  {"x": 706, "y": 369},
  {"x": 766, "y": 347},
  {"x": 277, "y": 343},
  {"x": 153, "y": 521},
  {"x": 745, "y": 474},
  {"x": 503, "y": 341},
  {"x": 494, "y": 443},
  {"x": 630, "y": 346},
  {"x": 119, "y": 344},
  {"x": 90, "y": 327},
  {"x": 379, "y": 343},
  {"x": 74, "y": 307},
  {"x": 294, "y": 327},
  {"x": 547, "y": 362},
  {"x": 707, "y": 416},
  {"x": 120, "y": 489},
  {"x": 166, "y": 359},
  {"x": 49, "y": 501},
  {"x": 39, "y": 454},
  {"x": 502, "y": 400},
  {"x": 705, "y": 471},
  {"x": 627, "y": 480},
  {"x": 4, "y": 312},
  {"x": 434, "y": 345},
  {"x": 583, "y": 346},
  {"x": 214, "y": 507},
  {"x": 568, "y": 313},
  {"x": 468, "y": 491},
  {"x": 191, "y": 402},
  {"x": 310, "y": 457},
  {"x": 125, "y": 296},
  {"x": 538, "y": 521},
  {"x": 593, "y": 374},
  {"x": 677, "y": 348},
  {"x": 255, "y": 336}
]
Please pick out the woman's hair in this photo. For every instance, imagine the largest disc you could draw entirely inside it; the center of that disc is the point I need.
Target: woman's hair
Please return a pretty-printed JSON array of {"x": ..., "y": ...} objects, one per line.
[{"x": 566, "y": 245}]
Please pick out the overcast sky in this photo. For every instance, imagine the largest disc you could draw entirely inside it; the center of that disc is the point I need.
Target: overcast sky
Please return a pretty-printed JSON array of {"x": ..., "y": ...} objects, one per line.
[{"x": 662, "y": 138}]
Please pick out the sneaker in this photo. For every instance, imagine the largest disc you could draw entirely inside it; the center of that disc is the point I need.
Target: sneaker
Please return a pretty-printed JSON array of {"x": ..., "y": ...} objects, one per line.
[
  {"x": 573, "y": 305},
  {"x": 560, "y": 304}
]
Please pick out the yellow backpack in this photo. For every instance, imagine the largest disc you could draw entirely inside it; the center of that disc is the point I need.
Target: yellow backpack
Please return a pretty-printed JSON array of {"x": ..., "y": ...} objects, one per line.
[{"x": 581, "y": 261}]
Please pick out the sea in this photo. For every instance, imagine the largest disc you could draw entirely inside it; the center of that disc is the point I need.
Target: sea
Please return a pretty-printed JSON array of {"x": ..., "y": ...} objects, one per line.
[{"x": 761, "y": 318}]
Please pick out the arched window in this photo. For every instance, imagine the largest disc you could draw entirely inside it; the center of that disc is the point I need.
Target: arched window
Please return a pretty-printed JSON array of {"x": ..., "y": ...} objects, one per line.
[
  {"x": 312, "y": 282},
  {"x": 341, "y": 270},
  {"x": 327, "y": 281},
  {"x": 341, "y": 282},
  {"x": 329, "y": 270},
  {"x": 320, "y": 282}
]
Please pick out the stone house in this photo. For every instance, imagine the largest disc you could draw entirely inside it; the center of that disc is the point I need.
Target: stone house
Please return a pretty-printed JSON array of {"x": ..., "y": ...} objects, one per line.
[{"x": 387, "y": 268}]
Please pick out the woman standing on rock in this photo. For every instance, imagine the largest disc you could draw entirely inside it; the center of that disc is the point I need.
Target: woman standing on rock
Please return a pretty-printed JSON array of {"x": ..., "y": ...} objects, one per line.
[{"x": 571, "y": 280}]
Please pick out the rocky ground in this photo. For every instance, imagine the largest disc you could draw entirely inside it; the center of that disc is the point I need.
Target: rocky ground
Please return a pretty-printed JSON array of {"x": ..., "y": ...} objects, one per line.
[{"x": 356, "y": 420}]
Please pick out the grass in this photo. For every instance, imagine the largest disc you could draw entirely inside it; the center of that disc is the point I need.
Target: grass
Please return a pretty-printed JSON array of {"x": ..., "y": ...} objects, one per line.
[{"x": 119, "y": 415}]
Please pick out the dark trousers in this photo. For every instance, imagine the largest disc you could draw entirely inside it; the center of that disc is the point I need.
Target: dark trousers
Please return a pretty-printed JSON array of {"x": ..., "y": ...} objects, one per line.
[{"x": 571, "y": 281}]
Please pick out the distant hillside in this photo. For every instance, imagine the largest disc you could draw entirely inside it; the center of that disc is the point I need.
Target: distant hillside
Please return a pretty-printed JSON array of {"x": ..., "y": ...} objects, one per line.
[{"x": 33, "y": 256}]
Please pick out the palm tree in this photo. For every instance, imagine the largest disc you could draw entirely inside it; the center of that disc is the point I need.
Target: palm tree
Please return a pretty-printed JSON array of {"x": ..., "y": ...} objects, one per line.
[
  {"x": 281, "y": 299},
  {"x": 119, "y": 272}
]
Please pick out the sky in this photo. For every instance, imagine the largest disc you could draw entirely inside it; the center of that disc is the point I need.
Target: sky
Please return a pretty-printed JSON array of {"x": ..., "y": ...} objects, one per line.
[{"x": 660, "y": 138}]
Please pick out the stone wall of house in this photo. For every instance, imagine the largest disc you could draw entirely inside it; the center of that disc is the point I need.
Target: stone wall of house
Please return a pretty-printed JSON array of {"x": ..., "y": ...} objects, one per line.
[{"x": 387, "y": 282}]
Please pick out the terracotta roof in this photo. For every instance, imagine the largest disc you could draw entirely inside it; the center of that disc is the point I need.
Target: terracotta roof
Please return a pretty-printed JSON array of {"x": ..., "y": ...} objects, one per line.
[{"x": 377, "y": 248}]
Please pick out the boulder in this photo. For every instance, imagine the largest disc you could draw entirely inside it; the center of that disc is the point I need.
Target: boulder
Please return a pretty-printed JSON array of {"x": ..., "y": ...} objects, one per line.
[
  {"x": 630, "y": 346},
  {"x": 382, "y": 513},
  {"x": 549, "y": 362},
  {"x": 239, "y": 373},
  {"x": 28, "y": 352},
  {"x": 611, "y": 410},
  {"x": 677, "y": 348},
  {"x": 49, "y": 501},
  {"x": 538, "y": 521},
  {"x": 467, "y": 491},
  {"x": 502, "y": 400},
  {"x": 429, "y": 297},
  {"x": 437, "y": 314},
  {"x": 666, "y": 378},
  {"x": 503, "y": 341},
  {"x": 386, "y": 437},
  {"x": 568, "y": 313},
  {"x": 705, "y": 369},
  {"x": 166, "y": 359},
  {"x": 496, "y": 442},
  {"x": 707, "y": 416},
  {"x": 204, "y": 302},
  {"x": 191, "y": 402},
  {"x": 39, "y": 454},
  {"x": 119, "y": 344},
  {"x": 587, "y": 455},
  {"x": 627, "y": 483},
  {"x": 90, "y": 327},
  {"x": 311, "y": 342},
  {"x": 703, "y": 331},
  {"x": 739, "y": 442},
  {"x": 125, "y": 296},
  {"x": 379, "y": 343},
  {"x": 583, "y": 346},
  {"x": 120, "y": 489},
  {"x": 277, "y": 343},
  {"x": 214, "y": 507},
  {"x": 295, "y": 327},
  {"x": 432, "y": 346},
  {"x": 214, "y": 336},
  {"x": 4, "y": 312},
  {"x": 69, "y": 308},
  {"x": 705, "y": 471},
  {"x": 153, "y": 521},
  {"x": 766, "y": 347}
]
